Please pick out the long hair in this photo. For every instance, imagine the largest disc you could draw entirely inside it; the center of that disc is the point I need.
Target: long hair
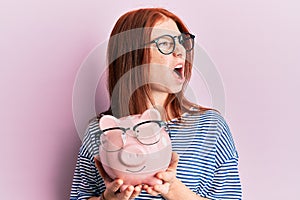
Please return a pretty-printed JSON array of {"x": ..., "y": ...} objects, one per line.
[{"x": 128, "y": 61}]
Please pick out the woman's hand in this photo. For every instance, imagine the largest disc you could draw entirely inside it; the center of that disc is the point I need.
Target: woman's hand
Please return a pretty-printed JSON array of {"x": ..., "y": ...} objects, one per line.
[
  {"x": 113, "y": 187},
  {"x": 168, "y": 177}
]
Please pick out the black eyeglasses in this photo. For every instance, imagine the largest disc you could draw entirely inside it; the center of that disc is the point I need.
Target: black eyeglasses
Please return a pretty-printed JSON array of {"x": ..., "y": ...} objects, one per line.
[
  {"x": 147, "y": 133},
  {"x": 166, "y": 43}
]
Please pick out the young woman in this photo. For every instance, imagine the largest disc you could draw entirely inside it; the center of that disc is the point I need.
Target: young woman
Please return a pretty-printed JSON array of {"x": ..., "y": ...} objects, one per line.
[{"x": 150, "y": 56}]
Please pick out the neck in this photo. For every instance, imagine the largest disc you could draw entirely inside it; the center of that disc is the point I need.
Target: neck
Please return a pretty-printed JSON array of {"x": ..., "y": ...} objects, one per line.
[{"x": 159, "y": 100}]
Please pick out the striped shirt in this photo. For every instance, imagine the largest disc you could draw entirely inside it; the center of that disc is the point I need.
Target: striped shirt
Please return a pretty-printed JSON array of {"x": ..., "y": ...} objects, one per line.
[{"x": 208, "y": 159}]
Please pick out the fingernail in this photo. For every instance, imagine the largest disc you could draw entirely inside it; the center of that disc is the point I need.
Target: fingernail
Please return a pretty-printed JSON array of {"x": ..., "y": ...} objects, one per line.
[
  {"x": 120, "y": 182},
  {"x": 130, "y": 188}
]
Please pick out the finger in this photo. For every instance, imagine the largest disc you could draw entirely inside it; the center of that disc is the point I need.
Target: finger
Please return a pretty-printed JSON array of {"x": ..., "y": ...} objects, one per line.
[
  {"x": 101, "y": 170},
  {"x": 137, "y": 190},
  {"x": 174, "y": 161},
  {"x": 123, "y": 188},
  {"x": 128, "y": 192},
  {"x": 151, "y": 191},
  {"x": 114, "y": 186},
  {"x": 145, "y": 187},
  {"x": 166, "y": 176},
  {"x": 170, "y": 173},
  {"x": 162, "y": 189}
]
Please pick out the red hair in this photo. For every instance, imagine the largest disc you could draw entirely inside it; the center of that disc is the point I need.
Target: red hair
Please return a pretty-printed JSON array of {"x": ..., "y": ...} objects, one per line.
[{"x": 128, "y": 89}]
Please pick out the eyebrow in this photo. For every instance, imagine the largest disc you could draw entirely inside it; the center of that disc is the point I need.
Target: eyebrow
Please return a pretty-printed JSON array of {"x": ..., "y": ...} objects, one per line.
[
  {"x": 164, "y": 35},
  {"x": 164, "y": 32}
]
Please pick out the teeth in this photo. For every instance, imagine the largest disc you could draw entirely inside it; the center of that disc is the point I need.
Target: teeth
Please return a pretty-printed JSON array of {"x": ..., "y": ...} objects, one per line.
[
  {"x": 178, "y": 71},
  {"x": 178, "y": 67}
]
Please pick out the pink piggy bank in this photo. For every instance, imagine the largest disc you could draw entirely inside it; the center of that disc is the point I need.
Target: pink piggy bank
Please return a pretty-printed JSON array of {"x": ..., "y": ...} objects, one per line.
[{"x": 135, "y": 148}]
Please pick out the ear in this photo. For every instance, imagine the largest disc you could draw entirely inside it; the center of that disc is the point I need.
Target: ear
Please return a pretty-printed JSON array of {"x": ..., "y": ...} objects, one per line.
[
  {"x": 108, "y": 121},
  {"x": 151, "y": 114}
]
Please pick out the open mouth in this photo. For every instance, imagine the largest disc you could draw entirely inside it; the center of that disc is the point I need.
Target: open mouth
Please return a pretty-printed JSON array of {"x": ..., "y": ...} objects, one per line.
[
  {"x": 136, "y": 171},
  {"x": 179, "y": 70}
]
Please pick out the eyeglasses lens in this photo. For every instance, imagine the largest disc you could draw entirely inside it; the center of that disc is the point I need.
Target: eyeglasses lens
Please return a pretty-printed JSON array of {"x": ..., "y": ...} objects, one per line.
[
  {"x": 166, "y": 43},
  {"x": 111, "y": 140},
  {"x": 187, "y": 41},
  {"x": 148, "y": 133}
]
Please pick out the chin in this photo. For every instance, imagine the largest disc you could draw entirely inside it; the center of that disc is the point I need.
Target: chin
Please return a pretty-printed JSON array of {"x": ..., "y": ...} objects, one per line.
[
  {"x": 171, "y": 89},
  {"x": 175, "y": 90}
]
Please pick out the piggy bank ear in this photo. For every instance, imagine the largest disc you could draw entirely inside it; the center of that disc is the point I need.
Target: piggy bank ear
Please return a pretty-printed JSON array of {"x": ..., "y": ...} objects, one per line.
[
  {"x": 151, "y": 114},
  {"x": 108, "y": 121}
]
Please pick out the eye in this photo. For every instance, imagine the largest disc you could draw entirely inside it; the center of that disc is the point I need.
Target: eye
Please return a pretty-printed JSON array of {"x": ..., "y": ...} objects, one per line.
[
  {"x": 112, "y": 140},
  {"x": 165, "y": 44}
]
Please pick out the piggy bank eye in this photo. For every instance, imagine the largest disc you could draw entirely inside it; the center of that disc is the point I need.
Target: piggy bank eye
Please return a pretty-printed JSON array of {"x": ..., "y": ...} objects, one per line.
[
  {"x": 148, "y": 132},
  {"x": 112, "y": 139}
]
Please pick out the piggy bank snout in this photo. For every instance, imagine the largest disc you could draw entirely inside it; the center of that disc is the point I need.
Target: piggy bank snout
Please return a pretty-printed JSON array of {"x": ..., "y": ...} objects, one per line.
[{"x": 132, "y": 156}]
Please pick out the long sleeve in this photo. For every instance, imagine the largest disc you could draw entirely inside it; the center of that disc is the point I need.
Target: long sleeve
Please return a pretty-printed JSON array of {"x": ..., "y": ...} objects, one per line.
[
  {"x": 226, "y": 181},
  {"x": 208, "y": 163},
  {"x": 86, "y": 180}
]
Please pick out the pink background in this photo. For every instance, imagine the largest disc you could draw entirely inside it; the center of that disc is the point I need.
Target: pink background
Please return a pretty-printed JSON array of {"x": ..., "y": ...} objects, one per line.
[{"x": 254, "y": 44}]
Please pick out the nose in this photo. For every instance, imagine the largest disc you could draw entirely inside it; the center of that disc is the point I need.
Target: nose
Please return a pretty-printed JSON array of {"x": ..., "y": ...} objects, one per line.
[
  {"x": 179, "y": 50},
  {"x": 132, "y": 156}
]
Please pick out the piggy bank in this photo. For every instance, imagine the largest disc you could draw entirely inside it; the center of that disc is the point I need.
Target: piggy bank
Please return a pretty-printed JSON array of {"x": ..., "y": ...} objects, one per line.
[{"x": 135, "y": 148}]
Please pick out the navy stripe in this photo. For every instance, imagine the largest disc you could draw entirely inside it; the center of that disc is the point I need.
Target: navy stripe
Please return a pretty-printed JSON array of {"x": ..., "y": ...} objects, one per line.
[{"x": 208, "y": 163}]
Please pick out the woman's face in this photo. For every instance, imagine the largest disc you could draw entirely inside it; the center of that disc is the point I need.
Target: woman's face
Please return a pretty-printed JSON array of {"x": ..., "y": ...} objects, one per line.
[{"x": 166, "y": 71}]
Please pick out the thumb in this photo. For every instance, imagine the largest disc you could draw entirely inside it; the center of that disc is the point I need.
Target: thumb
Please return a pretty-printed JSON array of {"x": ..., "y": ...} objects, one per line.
[
  {"x": 174, "y": 161},
  {"x": 101, "y": 170}
]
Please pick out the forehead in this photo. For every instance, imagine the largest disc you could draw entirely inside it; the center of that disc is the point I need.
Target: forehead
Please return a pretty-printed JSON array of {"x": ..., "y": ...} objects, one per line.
[{"x": 166, "y": 26}]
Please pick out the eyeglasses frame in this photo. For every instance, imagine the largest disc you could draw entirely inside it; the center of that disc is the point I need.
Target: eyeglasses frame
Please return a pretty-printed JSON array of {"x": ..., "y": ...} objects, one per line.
[
  {"x": 124, "y": 132},
  {"x": 173, "y": 37}
]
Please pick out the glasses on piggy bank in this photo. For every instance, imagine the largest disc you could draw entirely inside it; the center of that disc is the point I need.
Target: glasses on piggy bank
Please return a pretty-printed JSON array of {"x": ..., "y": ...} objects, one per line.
[
  {"x": 134, "y": 148},
  {"x": 147, "y": 133}
]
